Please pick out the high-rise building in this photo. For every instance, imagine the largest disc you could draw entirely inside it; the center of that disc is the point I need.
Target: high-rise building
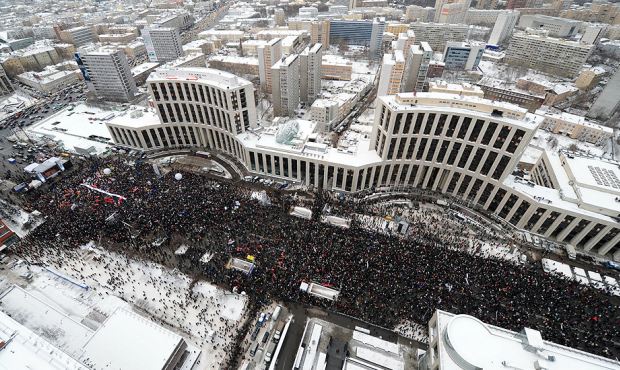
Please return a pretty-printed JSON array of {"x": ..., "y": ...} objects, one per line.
[
  {"x": 391, "y": 76},
  {"x": 285, "y": 89},
  {"x": 310, "y": 61},
  {"x": 163, "y": 44},
  {"x": 279, "y": 17},
  {"x": 482, "y": 17},
  {"x": 363, "y": 33},
  {"x": 268, "y": 55},
  {"x": 593, "y": 33},
  {"x": 5, "y": 84},
  {"x": 108, "y": 74},
  {"x": 463, "y": 55},
  {"x": 608, "y": 101},
  {"x": 437, "y": 34},
  {"x": 404, "y": 41},
  {"x": 547, "y": 54},
  {"x": 504, "y": 25},
  {"x": 416, "y": 67}
]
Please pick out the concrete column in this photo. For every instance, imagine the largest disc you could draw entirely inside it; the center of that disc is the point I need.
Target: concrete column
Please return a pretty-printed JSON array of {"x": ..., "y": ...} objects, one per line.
[
  {"x": 577, "y": 238},
  {"x": 568, "y": 229},
  {"x": 554, "y": 225},
  {"x": 526, "y": 216},
  {"x": 610, "y": 244},
  {"x": 514, "y": 209},
  {"x": 541, "y": 220},
  {"x": 592, "y": 242}
]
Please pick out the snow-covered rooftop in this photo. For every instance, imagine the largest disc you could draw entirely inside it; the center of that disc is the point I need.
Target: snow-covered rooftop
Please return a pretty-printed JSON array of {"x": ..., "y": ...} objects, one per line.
[
  {"x": 466, "y": 342},
  {"x": 129, "y": 341},
  {"x": 214, "y": 77},
  {"x": 26, "y": 350}
]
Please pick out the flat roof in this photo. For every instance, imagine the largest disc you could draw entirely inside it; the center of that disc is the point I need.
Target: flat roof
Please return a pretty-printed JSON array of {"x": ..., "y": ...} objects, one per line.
[
  {"x": 210, "y": 76},
  {"x": 466, "y": 342},
  {"x": 593, "y": 173},
  {"x": 26, "y": 350},
  {"x": 129, "y": 341}
]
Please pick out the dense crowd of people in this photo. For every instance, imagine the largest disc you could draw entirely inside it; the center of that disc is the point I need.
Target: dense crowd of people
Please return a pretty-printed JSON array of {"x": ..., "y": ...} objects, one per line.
[{"x": 384, "y": 279}]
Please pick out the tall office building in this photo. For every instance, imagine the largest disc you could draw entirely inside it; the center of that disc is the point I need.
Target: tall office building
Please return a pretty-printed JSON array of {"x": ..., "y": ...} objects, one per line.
[
  {"x": 268, "y": 55},
  {"x": 279, "y": 17},
  {"x": 463, "y": 55},
  {"x": 363, "y": 33},
  {"x": 5, "y": 84},
  {"x": 547, "y": 54},
  {"x": 310, "y": 61},
  {"x": 608, "y": 102},
  {"x": 504, "y": 25},
  {"x": 391, "y": 76},
  {"x": 416, "y": 67},
  {"x": 108, "y": 74},
  {"x": 285, "y": 89},
  {"x": 163, "y": 44}
]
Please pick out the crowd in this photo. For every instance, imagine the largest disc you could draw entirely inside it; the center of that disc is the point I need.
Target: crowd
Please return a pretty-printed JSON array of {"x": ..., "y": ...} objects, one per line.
[{"x": 384, "y": 279}]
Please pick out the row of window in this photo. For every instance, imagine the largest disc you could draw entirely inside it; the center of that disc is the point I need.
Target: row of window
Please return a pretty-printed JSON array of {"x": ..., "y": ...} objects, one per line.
[
  {"x": 196, "y": 113},
  {"x": 177, "y": 136},
  {"x": 199, "y": 93},
  {"x": 452, "y": 126}
]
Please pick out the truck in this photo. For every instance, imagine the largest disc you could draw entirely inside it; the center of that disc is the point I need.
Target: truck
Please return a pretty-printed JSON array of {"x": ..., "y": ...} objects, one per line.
[
  {"x": 276, "y": 313},
  {"x": 269, "y": 352},
  {"x": 278, "y": 332}
]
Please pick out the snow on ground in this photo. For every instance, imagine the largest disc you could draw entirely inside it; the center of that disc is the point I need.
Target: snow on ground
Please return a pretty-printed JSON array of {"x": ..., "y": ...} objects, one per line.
[{"x": 206, "y": 316}]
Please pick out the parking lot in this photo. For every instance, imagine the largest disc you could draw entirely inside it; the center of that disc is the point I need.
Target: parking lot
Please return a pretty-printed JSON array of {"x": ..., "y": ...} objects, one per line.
[{"x": 265, "y": 334}]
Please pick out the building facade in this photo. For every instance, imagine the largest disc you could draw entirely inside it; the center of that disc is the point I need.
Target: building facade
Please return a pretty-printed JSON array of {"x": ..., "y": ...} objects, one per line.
[
  {"x": 463, "y": 147},
  {"x": 391, "y": 76},
  {"x": 268, "y": 55},
  {"x": 547, "y": 54},
  {"x": 285, "y": 89},
  {"x": 108, "y": 75},
  {"x": 463, "y": 55},
  {"x": 437, "y": 34},
  {"x": 310, "y": 61},
  {"x": 503, "y": 27},
  {"x": 5, "y": 84},
  {"x": 163, "y": 44}
]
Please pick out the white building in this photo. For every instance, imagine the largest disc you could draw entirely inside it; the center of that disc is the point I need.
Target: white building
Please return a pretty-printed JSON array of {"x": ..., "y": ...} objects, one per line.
[
  {"x": 163, "y": 44},
  {"x": 268, "y": 55},
  {"x": 437, "y": 34},
  {"x": 108, "y": 74},
  {"x": 547, "y": 54},
  {"x": 49, "y": 80},
  {"x": 285, "y": 89},
  {"x": 392, "y": 70},
  {"x": 465, "y": 342},
  {"x": 463, "y": 147},
  {"x": 416, "y": 67},
  {"x": 404, "y": 41},
  {"x": 463, "y": 55},
  {"x": 503, "y": 27},
  {"x": 78, "y": 36},
  {"x": 310, "y": 61},
  {"x": 556, "y": 26},
  {"x": 576, "y": 127},
  {"x": 324, "y": 112}
]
